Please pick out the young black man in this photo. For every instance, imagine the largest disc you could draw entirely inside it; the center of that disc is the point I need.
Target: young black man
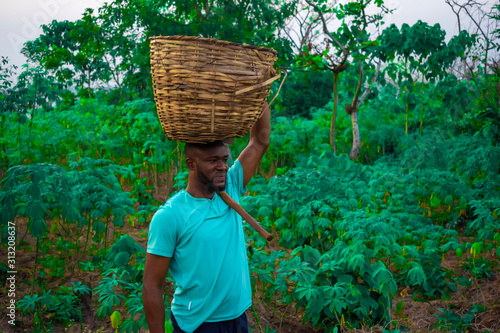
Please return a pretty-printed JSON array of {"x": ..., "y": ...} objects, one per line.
[{"x": 201, "y": 240}]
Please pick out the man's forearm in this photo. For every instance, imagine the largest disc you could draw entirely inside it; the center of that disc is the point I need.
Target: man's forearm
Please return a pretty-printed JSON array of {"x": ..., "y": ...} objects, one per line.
[
  {"x": 154, "y": 309},
  {"x": 259, "y": 142},
  {"x": 261, "y": 130}
]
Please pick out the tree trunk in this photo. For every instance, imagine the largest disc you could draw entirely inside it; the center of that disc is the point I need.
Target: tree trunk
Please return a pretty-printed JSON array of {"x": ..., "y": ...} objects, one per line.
[
  {"x": 356, "y": 142},
  {"x": 353, "y": 111},
  {"x": 334, "y": 111},
  {"x": 19, "y": 140}
]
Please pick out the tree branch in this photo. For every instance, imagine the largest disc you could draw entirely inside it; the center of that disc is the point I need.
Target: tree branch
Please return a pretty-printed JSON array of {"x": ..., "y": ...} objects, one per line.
[
  {"x": 325, "y": 28},
  {"x": 207, "y": 9},
  {"x": 472, "y": 18},
  {"x": 358, "y": 88},
  {"x": 457, "y": 14},
  {"x": 367, "y": 91}
]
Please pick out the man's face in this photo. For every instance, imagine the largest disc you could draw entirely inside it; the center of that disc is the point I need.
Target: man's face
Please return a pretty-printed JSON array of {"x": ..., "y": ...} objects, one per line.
[{"x": 211, "y": 167}]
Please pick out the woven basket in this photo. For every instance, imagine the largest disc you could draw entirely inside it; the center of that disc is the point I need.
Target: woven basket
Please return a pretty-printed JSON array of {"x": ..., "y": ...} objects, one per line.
[{"x": 209, "y": 89}]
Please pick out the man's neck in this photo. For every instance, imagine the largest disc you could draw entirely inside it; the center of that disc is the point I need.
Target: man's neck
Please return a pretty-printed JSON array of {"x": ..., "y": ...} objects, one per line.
[{"x": 200, "y": 191}]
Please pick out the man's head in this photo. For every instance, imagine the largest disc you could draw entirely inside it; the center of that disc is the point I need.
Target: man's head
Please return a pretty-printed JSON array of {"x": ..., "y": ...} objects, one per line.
[{"x": 207, "y": 164}]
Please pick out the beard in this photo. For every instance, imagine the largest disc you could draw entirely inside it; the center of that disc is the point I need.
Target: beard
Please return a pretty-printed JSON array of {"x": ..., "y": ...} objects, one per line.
[{"x": 209, "y": 182}]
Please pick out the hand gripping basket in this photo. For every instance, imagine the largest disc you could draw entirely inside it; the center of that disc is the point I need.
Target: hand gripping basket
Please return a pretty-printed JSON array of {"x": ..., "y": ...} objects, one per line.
[{"x": 208, "y": 89}]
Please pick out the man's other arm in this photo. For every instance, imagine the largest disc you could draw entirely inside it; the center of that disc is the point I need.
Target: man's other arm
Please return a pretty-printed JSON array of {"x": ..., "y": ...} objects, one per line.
[
  {"x": 155, "y": 272},
  {"x": 257, "y": 145}
]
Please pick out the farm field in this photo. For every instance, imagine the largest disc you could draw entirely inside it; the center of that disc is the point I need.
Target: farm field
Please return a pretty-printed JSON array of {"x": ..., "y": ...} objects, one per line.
[{"x": 381, "y": 183}]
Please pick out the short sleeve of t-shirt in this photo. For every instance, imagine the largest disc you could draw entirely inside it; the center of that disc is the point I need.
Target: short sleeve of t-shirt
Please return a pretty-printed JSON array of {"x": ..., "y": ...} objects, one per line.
[
  {"x": 163, "y": 232},
  {"x": 236, "y": 175}
]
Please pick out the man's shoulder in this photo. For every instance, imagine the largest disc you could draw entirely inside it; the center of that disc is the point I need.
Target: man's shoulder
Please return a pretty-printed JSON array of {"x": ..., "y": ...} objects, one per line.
[
  {"x": 178, "y": 198},
  {"x": 236, "y": 167},
  {"x": 171, "y": 207},
  {"x": 234, "y": 171}
]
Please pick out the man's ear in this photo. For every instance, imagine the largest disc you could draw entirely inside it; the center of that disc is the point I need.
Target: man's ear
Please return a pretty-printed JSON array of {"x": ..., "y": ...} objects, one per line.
[{"x": 190, "y": 163}]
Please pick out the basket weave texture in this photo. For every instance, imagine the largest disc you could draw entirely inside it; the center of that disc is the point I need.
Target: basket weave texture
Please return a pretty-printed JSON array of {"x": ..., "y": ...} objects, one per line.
[{"x": 208, "y": 89}]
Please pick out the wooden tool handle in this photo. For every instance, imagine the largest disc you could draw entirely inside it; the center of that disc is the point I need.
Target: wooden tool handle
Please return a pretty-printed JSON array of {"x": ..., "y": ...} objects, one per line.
[{"x": 253, "y": 223}]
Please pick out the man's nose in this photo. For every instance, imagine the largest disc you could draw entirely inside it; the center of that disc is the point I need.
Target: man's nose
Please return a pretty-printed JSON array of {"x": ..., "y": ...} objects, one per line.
[{"x": 221, "y": 165}]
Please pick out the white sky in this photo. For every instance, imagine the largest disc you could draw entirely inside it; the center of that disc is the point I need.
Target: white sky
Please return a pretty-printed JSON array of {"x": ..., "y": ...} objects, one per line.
[{"x": 20, "y": 20}]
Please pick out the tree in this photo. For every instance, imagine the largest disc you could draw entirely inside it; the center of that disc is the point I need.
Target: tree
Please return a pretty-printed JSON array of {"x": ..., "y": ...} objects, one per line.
[
  {"x": 419, "y": 53},
  {"x": 479, "y": 19},
  {"x": 482, "y": 68},
  {"x": 252, "y": 22},
  {"x": 73, "y": 50},
  {"x": 349, "y": 44}
]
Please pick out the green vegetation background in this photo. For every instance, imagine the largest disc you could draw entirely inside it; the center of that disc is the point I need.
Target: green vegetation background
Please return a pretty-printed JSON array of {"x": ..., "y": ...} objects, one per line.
[{"x": 83, "y": 161}]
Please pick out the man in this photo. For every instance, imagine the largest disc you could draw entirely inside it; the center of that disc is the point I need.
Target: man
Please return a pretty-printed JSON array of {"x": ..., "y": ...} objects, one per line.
[{"x": 201, "y": 240}]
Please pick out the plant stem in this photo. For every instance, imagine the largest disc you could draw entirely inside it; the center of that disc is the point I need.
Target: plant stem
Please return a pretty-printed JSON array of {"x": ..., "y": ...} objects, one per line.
[
  {"x": 19, "y": 141},
  {"x": 256, "y": 318},
  {"x": 106, "y": 236},
  {"x": 88, "y": 233},
  {"x": 36, "y": 262}
]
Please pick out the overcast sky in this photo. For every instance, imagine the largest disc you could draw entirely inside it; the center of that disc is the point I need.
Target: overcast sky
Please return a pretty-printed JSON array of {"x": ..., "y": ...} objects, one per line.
[{"x": 20, "y": 20}]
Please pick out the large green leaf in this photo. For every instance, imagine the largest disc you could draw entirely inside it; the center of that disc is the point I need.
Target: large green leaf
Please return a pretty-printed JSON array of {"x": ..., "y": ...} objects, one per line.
[
  {"x": 311, "y": 256},
  {"x": 122, "y": 259}
]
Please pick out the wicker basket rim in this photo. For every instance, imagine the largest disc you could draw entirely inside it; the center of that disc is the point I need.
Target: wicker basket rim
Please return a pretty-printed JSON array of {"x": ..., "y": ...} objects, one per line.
[{"x": 212, "y": 40}]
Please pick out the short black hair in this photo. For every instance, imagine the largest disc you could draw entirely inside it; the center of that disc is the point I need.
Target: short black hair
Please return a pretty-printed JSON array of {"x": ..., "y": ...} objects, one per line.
[{"x": 189, "y": 147}]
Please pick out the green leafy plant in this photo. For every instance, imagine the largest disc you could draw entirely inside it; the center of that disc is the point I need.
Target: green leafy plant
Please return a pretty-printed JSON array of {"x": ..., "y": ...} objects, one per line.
[
  {"x": 122, "y": 281},
  {"x": 63, "y": 305},
  {"x": 450, "y": 321},
  {"x": 479, "y": 268}
]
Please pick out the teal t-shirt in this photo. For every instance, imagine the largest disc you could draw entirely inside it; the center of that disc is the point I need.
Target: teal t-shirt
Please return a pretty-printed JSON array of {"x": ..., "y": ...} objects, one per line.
[{"x": 204, "y": 239}]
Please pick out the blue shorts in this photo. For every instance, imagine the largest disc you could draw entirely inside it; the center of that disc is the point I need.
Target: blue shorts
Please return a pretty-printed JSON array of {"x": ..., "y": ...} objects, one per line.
[{"x": 238, "y": 325}]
